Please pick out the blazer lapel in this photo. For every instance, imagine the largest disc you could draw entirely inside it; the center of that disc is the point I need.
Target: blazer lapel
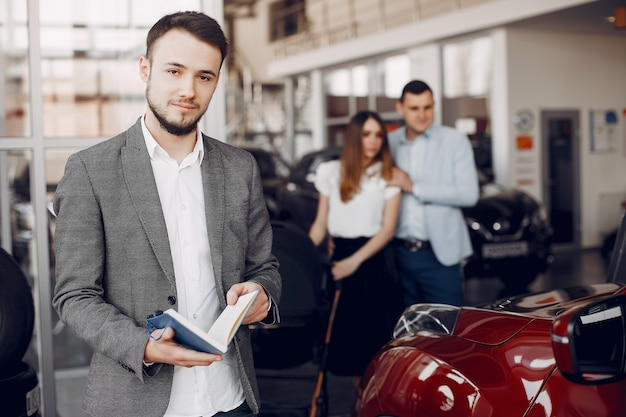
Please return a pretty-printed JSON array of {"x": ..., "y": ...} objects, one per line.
[
  {"x": 214, "y": 191},
  {"x": 142, "y": 188},
  {"x": 429, "y": 160}
]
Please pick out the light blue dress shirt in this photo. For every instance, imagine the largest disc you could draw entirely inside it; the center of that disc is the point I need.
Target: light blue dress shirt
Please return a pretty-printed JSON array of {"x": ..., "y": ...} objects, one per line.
[{"x": 441, "y": 165}]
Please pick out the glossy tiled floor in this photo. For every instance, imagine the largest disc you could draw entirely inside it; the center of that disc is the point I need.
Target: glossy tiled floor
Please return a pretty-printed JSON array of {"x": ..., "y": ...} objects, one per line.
[{"x": 289, "y": 393}]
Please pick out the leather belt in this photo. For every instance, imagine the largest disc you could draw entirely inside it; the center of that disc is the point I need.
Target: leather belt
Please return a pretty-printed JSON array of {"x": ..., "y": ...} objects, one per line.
[{"x": 413, "y": 245}]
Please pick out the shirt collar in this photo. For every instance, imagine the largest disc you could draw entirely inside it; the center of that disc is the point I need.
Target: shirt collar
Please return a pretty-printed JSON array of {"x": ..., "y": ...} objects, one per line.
[
  {"x": 426, "y": 134},
  {"x": 154, "y": 147},
  {"x": 373, "y": 169}
]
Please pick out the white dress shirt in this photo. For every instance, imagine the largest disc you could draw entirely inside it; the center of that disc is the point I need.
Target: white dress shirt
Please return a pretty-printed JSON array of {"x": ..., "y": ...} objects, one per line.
[
  {"x": 201, "y": 390},
  {"x": 410, "y": 158},
  {"x": 362, "y": 215}
]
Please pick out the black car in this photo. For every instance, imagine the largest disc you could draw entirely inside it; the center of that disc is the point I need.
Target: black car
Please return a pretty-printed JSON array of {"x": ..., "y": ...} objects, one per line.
[
  {"x": 511, "y": 237},
  {"x": 274, "y": 173},
  {"x": 510, "y": 234},
  {"x": 298, "y": 202}
]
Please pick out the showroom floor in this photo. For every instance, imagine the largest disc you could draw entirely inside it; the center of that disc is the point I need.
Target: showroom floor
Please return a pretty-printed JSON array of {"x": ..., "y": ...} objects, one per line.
[{"x": 288, "y": 393}]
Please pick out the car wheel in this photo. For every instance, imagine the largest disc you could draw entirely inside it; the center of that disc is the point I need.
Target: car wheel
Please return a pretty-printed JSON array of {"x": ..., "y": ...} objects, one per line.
[
  {"x": 17, "y": 312},
  {"x": 20, "y": 391}
]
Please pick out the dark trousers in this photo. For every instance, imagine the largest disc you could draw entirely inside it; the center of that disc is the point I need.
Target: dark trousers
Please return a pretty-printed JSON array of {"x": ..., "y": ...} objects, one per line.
[
  {"x": 242, "y": 411},
  {"x": 362, "y": 323},
  {"x": 425, "y": 280}
]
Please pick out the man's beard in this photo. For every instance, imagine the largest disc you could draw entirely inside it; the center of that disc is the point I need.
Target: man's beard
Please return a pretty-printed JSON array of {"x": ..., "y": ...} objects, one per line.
[{"x": 170, "y": 127}]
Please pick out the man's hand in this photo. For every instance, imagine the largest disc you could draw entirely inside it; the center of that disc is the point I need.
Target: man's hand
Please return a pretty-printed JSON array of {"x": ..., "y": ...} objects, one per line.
[
  {"x": 259, "y": 309},
  {"x": 161, "y": 348},
  {"x": 401, "y": 179}
]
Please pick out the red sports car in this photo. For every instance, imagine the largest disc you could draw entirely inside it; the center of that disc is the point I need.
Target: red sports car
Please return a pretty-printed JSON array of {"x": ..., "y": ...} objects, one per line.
[{"x": 551, "y": 354}]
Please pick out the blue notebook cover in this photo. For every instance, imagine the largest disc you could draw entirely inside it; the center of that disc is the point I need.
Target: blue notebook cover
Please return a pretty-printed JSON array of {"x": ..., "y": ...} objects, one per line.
[{"x": 219, "y": 336}]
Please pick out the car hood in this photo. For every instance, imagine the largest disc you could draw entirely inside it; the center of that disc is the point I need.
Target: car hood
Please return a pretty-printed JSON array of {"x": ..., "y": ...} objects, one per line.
[
  {"x": 495, "y": 362},
  {"x": 481, "y": 325}
]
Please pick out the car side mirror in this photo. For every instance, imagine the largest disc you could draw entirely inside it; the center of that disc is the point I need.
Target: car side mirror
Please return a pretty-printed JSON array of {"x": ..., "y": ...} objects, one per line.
[{"x": 589, "y": 341}]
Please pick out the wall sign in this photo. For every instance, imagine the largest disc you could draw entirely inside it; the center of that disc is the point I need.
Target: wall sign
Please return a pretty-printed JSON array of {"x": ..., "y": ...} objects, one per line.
[
  {"x": 524, "y": 120},
  {"x": 603, "y": 130}
]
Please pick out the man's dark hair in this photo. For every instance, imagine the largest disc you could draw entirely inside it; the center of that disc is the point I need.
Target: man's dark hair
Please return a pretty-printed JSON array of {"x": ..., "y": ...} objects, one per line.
[
  {"x": 415, "y": 87},
  {"x": 203, "y": 27}
]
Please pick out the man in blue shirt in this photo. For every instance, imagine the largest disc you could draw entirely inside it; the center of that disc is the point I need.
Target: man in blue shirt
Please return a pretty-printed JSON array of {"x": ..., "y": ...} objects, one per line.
[{"x": 437, "y": 175}]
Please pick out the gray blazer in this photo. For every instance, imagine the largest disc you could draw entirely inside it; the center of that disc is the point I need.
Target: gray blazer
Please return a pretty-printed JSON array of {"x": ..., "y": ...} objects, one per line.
[{"x": 114, "y": 266}]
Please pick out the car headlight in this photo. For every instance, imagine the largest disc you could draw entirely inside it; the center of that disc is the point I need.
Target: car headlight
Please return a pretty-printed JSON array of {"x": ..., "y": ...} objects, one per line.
[
  {"x": 434, "y": 318},
  {"x": 476, "y": 227}
]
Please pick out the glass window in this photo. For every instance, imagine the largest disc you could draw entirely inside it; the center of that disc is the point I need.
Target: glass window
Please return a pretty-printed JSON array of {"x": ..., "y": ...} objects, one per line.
[
  {"x": 347, "y": 90},
  {"x": 467, "y": 80},
  {"x": 360, "y": 86},
  {"x": 90, "y": 49},
  {"x": 375, "y": 85},
  {"x": 336, "y": 134},
  {"x": 338, "y": 92},
  {"x": 392, "y": 74},
  {"x": 287, "y": 17},
  {"x": 87, "y": 53},
  {"x": 467, "y": 67},
  {"x": 338, "y": 82},
  {"x": 16, "y": 207},
  {"x": 360, "y": 81},
  {"x": 15, "y": 166},
  {"x": 14, "y": 74}
]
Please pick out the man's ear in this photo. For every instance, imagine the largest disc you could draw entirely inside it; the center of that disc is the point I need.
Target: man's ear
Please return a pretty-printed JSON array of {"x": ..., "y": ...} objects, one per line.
[
  {"x": 399, "y": 108},
  {"x": 144, "y": 68}
]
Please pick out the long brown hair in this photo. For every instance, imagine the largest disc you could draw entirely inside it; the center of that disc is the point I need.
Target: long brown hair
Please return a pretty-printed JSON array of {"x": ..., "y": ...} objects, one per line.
[{"x": 352, "y": 164}]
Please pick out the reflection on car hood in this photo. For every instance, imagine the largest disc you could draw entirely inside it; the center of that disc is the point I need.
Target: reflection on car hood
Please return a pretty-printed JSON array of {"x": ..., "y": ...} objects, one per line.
[
  {"x": 549, "y": 304},
  {"x": 484, "y": 324},
  {"x": 481, "y": 325}
]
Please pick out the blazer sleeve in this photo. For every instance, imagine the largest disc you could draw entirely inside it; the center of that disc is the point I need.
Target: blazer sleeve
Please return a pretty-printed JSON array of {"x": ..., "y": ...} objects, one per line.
[
  {"x": 457, "y": 185},
  {"x": 79, "y": 294},
  {"x": 261, "y": 265}
]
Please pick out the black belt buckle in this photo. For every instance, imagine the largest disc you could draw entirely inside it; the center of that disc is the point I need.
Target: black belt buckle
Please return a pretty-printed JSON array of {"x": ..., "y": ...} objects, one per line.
[{"x": 415, "y": 245}]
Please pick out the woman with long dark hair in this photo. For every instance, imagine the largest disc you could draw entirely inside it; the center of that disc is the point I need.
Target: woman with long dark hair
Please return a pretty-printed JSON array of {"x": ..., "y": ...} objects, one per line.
[{"x": 358, "y": 209}]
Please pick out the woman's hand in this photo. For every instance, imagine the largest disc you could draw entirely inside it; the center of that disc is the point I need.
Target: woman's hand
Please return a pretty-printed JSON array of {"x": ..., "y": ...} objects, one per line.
[{"x": 344, "y": 268}]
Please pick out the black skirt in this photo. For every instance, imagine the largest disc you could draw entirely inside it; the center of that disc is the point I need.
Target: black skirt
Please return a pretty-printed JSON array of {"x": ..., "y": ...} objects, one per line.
[{"x": 366, "y": 312}]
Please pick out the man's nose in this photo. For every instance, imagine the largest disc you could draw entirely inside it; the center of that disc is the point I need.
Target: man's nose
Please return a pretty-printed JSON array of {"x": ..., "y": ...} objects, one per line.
[{"x": 187, "y": 87}]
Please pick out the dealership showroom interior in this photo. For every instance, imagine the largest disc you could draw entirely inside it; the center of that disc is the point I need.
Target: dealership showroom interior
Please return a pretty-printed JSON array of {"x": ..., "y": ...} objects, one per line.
[{"x": 538, "y": 87}]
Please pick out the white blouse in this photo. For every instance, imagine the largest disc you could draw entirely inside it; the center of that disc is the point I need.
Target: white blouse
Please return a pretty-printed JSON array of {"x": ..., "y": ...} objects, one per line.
[{"x": 362, "y": 216}]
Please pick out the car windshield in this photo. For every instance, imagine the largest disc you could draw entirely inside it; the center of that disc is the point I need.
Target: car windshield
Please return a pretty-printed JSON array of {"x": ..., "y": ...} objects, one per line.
[{"x": 434, "y": 318}]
